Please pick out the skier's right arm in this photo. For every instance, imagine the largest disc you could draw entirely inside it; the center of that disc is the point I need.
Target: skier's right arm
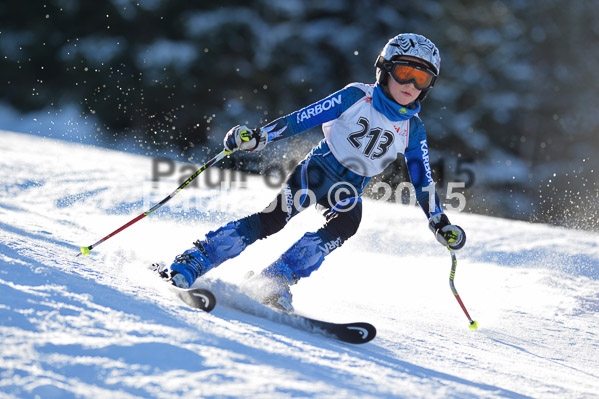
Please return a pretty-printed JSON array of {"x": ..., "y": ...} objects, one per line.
[
  {"x": 327, "y": 109},
  {"x": 313, "y": 115}
]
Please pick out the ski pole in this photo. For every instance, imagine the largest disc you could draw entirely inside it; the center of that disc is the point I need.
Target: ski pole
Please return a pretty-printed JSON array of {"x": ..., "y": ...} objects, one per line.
[
  {"x": 85, "y": 250},
  {"x": 454, "y": 263}
]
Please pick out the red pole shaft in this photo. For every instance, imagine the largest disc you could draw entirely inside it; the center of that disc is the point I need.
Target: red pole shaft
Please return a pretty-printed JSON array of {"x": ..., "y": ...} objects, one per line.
[
  {"x": 454, "y": 264},
  {"x": 85, "y": 250}
]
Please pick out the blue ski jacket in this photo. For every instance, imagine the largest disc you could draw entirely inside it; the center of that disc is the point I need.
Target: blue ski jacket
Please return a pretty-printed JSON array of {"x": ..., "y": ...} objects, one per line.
[{"x": 366, "y": 131}]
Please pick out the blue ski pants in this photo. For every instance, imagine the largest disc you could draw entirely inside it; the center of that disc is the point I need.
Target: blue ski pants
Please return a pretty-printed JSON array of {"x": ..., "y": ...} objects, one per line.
[{"x": 319, "y": 180}]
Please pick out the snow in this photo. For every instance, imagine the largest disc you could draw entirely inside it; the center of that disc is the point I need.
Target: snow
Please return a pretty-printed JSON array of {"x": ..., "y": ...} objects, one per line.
[{"x": 102, "y": 326}]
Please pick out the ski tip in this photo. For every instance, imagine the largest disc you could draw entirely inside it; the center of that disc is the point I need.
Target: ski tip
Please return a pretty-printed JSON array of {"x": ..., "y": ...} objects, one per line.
[
  {"x": 361, "y": 333},
  {"x": 352, "y": 333},
  {"x": 207, "y": 299},
  {"x": 197, "y": 298}
]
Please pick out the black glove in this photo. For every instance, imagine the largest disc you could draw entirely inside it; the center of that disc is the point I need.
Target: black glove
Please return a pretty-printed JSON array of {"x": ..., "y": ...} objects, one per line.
[
  {"x": 449, "y": 235},
  {"x": 246, "y": 139}
]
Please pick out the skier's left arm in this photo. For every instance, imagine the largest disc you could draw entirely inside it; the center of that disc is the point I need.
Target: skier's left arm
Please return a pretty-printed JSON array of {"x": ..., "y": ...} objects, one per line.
[{"x": 419, "y": 169}]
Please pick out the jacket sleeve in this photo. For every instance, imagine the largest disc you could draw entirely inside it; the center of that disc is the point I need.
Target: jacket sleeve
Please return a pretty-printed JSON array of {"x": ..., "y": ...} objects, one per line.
[
  {"x": 419, "y": 169},
  {"x": 320, "y": 112}
]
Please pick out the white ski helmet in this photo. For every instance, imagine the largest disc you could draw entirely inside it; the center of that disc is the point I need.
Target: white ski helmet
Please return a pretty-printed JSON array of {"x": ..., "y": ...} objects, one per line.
[{"x": 408, "y": 44}]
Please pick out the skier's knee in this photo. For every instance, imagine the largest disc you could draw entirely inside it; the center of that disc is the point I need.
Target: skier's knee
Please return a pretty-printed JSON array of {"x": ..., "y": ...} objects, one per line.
[
  {"x": 271, "y": 222},
  {"x": 350, "y": 227},
  {"x": 344, "y": 224}
]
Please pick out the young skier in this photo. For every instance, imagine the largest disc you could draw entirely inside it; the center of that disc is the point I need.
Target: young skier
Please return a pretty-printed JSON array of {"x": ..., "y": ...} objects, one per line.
[{"x": 365, "y": 127}]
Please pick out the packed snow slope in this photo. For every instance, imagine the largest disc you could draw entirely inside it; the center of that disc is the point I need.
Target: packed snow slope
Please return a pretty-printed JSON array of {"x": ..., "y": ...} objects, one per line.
[{"x": 103, "y": 326}]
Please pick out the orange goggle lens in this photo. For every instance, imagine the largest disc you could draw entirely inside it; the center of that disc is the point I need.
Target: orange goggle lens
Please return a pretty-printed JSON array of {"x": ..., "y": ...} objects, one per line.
[{"x": 405, "y": 74}]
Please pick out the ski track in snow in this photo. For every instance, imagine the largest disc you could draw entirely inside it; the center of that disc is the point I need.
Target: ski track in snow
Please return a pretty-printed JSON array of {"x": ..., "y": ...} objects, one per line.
[{"x": 103, "y": 326}]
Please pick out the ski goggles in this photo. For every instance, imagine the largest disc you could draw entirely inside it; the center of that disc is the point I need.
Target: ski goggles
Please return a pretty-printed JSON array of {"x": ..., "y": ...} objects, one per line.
[{"x": 404, "y": 72}]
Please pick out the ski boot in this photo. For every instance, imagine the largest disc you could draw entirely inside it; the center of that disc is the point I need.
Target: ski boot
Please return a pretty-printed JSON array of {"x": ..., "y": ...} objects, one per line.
[
  {"x": 188, "y": 266},
  {"x": 175, "y": 278},
  {"x": 280, "y": 296},
  {"x": 272, "y": 291}
]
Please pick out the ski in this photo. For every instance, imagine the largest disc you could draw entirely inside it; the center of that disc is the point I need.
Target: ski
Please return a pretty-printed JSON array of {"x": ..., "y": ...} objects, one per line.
[
  {"x": 198, "y": 298},
  {"x": 353, "y": 333},
  {"x": 204, "y": 299}
]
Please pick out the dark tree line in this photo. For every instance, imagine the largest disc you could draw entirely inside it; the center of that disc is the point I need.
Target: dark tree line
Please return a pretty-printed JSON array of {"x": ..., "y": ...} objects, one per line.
[{"x": 513, "y": 114}]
